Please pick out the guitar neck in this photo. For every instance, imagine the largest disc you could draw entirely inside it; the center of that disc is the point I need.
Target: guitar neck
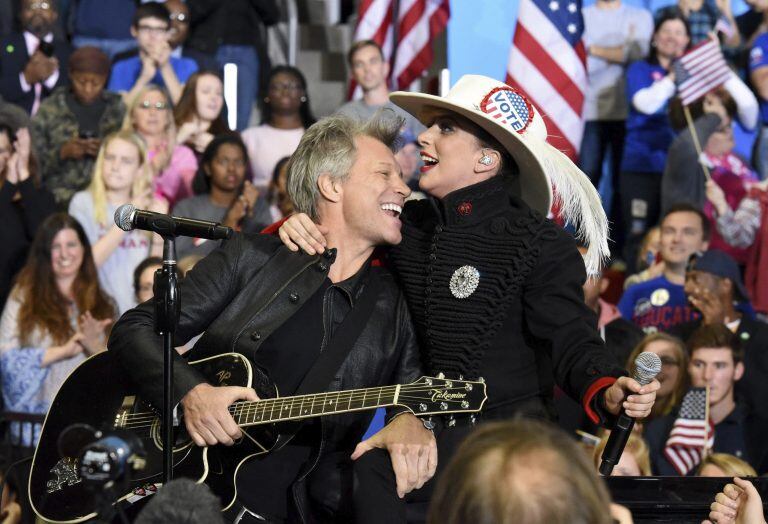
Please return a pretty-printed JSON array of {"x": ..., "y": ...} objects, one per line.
[{"x": 267, "y": 411}]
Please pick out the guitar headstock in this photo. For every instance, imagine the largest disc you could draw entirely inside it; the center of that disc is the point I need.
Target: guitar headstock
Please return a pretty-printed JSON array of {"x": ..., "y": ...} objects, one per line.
[{"x": 442, "y": 396}]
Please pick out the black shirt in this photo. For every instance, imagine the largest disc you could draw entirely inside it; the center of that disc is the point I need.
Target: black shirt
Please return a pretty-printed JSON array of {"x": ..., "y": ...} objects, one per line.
[
  {"x": 88, "y": 116},
  {"x": 291, "y": 350}
]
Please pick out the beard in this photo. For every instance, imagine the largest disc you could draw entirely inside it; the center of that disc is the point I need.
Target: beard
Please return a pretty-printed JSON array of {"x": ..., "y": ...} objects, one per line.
[{"x": 39, "y": 26}]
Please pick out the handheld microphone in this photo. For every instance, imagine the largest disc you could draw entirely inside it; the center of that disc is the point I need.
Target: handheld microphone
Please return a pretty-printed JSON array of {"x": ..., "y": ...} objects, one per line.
[
  {"x": 128, "y": 218},
  {"x": 647, "y": 366}
]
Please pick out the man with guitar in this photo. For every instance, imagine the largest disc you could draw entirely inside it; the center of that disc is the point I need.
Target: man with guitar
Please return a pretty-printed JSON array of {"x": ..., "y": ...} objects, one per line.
[{"x": 286, "y": 312}]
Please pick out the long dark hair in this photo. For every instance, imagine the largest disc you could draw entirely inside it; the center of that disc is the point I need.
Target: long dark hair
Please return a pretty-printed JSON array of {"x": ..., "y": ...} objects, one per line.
[
  {"x": 307, "y": 118},
  {"x": 9, "y": 132},
  {"x": 187, "y": 106},
  {"x": 666, "y": 14},
  {"x": 202, "y": 182},
  {"x": 42, "y": 304}
]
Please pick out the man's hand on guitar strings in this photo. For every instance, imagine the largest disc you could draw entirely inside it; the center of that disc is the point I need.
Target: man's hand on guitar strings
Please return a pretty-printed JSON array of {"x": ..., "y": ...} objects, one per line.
[
  {"x": 412, "y": 449},
  {"x": 206, "y": 413}
]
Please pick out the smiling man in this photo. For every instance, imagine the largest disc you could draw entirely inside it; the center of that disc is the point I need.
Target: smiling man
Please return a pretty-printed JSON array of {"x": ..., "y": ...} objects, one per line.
[
  {"x": 344, "y": 175},
  {"x": 660, "y": 303}
]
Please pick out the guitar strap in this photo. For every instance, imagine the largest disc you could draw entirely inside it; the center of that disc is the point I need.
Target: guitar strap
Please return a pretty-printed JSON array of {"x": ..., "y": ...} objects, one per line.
[{"x": 328, "y": 363}]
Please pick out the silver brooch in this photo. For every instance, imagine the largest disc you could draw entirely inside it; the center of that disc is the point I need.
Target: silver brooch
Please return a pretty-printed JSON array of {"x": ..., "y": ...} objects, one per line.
[{"x": 464, "y": 281}]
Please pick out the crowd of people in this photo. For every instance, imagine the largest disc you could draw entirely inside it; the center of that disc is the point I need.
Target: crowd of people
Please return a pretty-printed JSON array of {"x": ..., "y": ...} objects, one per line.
[{"x": 113, "y": 102}]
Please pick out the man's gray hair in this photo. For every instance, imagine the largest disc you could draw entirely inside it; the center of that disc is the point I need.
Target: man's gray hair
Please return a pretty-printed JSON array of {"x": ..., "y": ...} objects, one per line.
[{"x": 329, "y": 147}]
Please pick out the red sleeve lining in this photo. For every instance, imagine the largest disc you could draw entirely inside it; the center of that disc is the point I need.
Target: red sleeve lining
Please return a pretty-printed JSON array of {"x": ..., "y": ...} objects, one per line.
[
  {"x": 272, "y": 230},
  {"x": 597, "y": 386}
]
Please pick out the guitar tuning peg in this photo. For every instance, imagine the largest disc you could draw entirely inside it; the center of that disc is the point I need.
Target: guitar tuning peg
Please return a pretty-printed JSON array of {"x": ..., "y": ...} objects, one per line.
[
  {"x": 441, "y": 375},
  {"x": 451, "y": 421},
  {"x": 461, "y": 377},
  {"x": 481, "y": 380},
  {"x": 473, "y": 419}
]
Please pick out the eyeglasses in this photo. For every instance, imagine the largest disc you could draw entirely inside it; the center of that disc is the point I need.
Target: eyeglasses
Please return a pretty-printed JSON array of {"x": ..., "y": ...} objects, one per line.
[
  {"x": 160, "y": 106},
  {"x": 40, "y": 6},
  {"x": 285, "y": 86},
  {"x": 148, "y": 29},
  {"x": 180, "y": 17}
]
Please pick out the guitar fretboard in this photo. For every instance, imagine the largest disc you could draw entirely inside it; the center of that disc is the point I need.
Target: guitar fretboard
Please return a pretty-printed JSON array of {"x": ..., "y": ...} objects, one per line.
[{"x": 250, "y": 413}]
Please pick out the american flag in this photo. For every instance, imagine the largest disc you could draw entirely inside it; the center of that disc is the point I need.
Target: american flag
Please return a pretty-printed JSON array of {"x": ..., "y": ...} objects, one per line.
[
  {"x": 419, "y": 22},
  {"x": 692, "y": 432},
  {"x": 547, "y": 63},
  {"x": 700, "y": 70}
]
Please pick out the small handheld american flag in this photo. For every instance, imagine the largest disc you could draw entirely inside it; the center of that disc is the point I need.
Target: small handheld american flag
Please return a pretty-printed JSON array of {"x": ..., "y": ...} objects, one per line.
[
  {"x": 692, "y": 432},
  {"x": 700, "y": 70}
]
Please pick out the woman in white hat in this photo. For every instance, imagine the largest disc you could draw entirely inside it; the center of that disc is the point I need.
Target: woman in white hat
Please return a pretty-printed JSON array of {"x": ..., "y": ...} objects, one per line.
[{"x": 494, "y": 287}]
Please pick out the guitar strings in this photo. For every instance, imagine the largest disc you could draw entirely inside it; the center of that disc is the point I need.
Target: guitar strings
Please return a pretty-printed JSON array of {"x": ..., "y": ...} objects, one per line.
[
  {"x": 248, "y": 408},
  {"x": 343, "y": 396}
]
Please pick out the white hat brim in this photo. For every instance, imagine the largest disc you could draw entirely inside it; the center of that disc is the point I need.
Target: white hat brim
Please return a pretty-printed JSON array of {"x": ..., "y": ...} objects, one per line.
[{"x": 534, "y": 183}]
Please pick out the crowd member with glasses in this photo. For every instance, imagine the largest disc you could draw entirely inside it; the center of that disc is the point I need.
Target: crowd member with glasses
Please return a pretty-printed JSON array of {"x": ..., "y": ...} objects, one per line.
[
  {"x": 285, "y": 116},
  {"x": 228, "y": 197},
  {"x": 173, "y": 165},
  {"x": 674, "y": 370},
  {"x": 155, "y": 62},
  {"x": 31, "y": 60},
  {"x": 68, "y": 129}
]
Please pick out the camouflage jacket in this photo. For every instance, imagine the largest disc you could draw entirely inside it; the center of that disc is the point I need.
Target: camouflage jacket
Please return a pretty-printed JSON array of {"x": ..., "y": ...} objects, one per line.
[{"x": 54, "y": 125}]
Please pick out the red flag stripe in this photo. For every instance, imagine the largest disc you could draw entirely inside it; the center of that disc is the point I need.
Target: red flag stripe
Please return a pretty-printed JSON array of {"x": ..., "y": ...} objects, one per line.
[{"x": 549, "y": 68}]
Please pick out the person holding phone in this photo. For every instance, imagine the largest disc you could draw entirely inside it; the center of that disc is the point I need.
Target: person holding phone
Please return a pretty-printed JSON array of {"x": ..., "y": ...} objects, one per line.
[
  {"x": 71, "y": 123},
  {"x": 31, "y": 59}
]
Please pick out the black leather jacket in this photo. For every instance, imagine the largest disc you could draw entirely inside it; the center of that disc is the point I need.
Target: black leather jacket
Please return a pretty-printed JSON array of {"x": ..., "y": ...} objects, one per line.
[{"x": 239, "y": 295}]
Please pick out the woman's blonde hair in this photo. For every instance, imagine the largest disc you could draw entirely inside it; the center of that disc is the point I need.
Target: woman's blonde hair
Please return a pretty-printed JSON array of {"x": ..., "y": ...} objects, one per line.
[
  {"x": 663, "y": 406},
  {"x": 635, "y": 445},
  {"x": 141, "y": 183},
  {"x": 520, "y": 471},
  {"x": 731, "y": 465},
  {"x": 170, "y": 129}
]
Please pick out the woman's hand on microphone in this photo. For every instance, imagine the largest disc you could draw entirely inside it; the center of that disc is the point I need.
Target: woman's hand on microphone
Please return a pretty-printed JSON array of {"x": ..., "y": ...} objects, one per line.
[{"x": 636, "y": 400}]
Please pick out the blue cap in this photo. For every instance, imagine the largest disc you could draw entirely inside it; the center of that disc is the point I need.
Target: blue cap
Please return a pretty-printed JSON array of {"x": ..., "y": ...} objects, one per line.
[{"x": 721, "y": 264}]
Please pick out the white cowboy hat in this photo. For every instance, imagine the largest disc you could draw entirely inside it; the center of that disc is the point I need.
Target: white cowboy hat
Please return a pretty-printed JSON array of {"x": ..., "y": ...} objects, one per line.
[{"x": 508, "y": 116}]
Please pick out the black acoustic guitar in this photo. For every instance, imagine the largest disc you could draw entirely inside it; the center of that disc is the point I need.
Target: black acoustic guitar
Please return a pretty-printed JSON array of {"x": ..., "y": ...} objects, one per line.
[{"x": 98, "y": 394}]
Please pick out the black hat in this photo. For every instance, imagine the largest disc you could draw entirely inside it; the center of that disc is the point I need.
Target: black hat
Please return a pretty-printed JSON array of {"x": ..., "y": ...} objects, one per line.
[{"x": 721, "y": 264}]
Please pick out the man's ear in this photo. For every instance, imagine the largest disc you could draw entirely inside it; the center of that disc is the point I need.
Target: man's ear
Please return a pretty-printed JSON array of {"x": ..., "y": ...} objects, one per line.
[
  {"x": 738, "y": 371},
  {"x": 134, "y": 32},
  {"x": 330, "y": 187},
  {"x": 386, "y": 69}
]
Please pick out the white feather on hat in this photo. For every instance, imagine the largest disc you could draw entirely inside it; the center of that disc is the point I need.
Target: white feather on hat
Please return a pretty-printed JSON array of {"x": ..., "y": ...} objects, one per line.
[{"x": 515, "y": 122}]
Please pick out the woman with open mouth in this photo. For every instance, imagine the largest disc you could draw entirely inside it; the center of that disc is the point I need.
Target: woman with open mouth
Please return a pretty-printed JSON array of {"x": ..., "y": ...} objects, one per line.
[{"x": 493, "y": 285}]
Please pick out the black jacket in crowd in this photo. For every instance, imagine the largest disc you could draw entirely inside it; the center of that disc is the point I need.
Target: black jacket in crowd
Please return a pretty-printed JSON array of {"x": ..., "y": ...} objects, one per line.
[
  {"x": 234, "y": 22},
  {"x": 525, "y": 327},
  {"x": 13, "y": 60},
  {"x": 20, "y": 219},
  {"x": 225, "y": 296}
]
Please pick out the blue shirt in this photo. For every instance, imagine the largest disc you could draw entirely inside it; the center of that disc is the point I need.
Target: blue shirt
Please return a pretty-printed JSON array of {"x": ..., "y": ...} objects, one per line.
[
  {"x": 126, "y": 72},
  {"x": 758, "y": 57},
  {"x": 648, "y": 136},
  {"x": 656, "y": 305}
]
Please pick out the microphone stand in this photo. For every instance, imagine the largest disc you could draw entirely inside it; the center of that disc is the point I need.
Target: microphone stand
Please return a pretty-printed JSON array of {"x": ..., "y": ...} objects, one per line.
[{"x": 167, "y": 304}]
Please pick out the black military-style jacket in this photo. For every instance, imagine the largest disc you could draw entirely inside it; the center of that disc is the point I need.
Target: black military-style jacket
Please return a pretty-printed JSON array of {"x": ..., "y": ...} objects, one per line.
[{"x": 524, "y": 326}]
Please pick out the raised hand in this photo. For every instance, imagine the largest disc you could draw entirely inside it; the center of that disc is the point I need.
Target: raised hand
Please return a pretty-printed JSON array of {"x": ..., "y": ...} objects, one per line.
[{"x": 94, "y": 332}]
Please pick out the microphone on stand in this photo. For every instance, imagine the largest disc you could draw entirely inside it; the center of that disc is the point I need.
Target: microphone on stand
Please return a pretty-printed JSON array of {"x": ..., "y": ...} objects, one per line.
[
  {"x": 647, "y": 366},
  {"x": 128, "y": 218}
]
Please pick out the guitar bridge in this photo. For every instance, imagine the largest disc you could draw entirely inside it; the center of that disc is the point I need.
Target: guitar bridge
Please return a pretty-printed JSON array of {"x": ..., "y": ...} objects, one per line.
[{"x": 64, "y": 473}]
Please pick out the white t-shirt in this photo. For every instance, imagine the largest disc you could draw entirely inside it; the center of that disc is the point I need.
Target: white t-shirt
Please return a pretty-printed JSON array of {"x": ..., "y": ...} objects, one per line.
[
  {"x": 266, "y": 146},
  {"x": 116, "y": 273}
]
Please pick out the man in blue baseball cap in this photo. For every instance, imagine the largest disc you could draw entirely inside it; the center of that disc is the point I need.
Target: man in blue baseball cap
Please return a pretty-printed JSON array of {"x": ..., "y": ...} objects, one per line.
[{"x": 714, "y": 287}]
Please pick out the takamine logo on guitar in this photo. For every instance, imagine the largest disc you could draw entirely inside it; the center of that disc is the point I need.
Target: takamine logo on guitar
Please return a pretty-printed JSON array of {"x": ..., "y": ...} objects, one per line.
[{"x": 441, "y": 394}]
